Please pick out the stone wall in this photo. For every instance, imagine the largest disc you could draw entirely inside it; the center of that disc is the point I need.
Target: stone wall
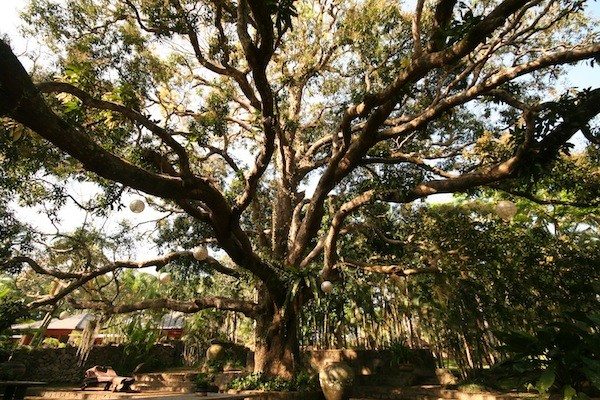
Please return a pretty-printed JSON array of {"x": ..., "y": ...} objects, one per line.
[
  {"x": 62, "y": 365},
  {"x": 366, "y": 362},
  {"x": 372, "y": 367},
  {"x": 380, "y": 367}
]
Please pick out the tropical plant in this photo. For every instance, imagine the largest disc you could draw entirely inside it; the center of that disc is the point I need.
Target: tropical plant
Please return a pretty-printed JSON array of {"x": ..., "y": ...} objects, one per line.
[
  {"x": 303, "y": 381},
  {"x": 140, "y": 337},
  {"x": 564, "y": 355},
  {"x": 203, "y": 381},
  {"x": 11, "y": 309},
  {"x": 52, "y": 343},
  {"x": 401, "y": 353}
]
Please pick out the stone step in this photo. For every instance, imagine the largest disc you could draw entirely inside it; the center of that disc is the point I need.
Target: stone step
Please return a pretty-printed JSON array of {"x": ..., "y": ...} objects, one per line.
[
  {"x": 152, "y": 396},
  {"x": 182, "y": 388},
  {"x": 77, "y": 395},
  {"x": 166, "y": 377},
  {"x": 166, "y": 382},
  {"x": 431, "y": 392},
  {"x": 273, "y": 395}
]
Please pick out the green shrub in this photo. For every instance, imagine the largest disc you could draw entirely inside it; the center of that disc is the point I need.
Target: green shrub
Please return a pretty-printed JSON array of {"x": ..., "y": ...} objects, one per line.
[
  {"x": 140, "y": 338},
  {"x": 561, "y": 357},
  {"x": 257, "y": 381},
  {"x": 53, "y": 343},
  {"x": 203, "y": 381},
  {"x": 11, "y": 309},
  {"x": 231, "y": 358},
  {"x": 471, "y": 388},
  {"x": 401, "y": 353},
  {"x": 220, "y": 364}
]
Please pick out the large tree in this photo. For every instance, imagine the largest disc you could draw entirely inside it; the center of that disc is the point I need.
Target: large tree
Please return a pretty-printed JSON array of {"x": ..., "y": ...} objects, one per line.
[{"x": 337, "y": 104}]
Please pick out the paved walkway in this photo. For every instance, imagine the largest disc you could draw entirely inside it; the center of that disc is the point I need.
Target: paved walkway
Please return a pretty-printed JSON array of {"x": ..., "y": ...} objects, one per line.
[
  {"x": 102, "y": 395},
  {"x": 193, "y": 396}
]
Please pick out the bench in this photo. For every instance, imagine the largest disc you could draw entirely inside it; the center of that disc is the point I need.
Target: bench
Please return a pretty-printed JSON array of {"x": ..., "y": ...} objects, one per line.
[{"x": 16, "y": 390}]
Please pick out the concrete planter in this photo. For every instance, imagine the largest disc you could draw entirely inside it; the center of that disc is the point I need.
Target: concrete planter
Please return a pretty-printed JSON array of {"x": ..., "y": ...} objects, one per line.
[{"x": 337, "y": 381}]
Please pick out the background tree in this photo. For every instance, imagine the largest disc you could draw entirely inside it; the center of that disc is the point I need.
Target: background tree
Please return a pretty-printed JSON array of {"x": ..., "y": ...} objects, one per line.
[{"x": 338, "y": 105}]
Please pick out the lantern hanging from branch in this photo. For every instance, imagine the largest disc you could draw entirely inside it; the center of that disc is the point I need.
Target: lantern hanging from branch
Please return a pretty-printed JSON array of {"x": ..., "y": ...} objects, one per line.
[
  {"x": 137, "y": 206},
  {"x": 327, "y": 286},
  {"x": 16, "y": 134},
  {"x": 164, "y": 277}
]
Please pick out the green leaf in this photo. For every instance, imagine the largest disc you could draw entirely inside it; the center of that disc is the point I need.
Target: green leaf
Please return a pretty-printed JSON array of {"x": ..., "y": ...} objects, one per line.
[
  {"x": 291, "y": 295},
  {"x": 595, "y": 318},
  {"x": 593, "y": 375},
  {"x": 569, "y": 392},
  {"x": 315, "y": 289},
  {"x": 518, "y": 342},
  {"x": 546, "y": 380}
]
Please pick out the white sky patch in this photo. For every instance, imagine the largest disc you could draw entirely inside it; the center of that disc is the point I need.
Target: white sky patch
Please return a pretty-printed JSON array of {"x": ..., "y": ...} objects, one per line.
[
  {"x": 71, "y": 217},
  {"x": 409, "y": 5},
  {"x": 440, "y": 198},
  {"x": 9, "y": 16},
  {"x": 10, "y": 21}
]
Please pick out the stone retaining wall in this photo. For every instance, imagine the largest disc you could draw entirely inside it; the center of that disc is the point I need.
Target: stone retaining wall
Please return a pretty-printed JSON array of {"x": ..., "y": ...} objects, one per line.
[
  {"x": 380, "y": 367},
  {"x": 372, "y": 367},
  {"x": 369, "y": 361},
  {"x": 62, "y": 365}
]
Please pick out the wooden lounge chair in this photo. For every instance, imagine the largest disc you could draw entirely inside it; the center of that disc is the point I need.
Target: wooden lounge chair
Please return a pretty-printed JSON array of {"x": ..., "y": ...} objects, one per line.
[{"x": 106, "y": 376}]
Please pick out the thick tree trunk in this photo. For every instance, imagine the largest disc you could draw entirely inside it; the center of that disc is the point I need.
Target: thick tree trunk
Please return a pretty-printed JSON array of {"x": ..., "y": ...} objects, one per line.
[
  {"x": 282, "y": 216},
  {"x": 277, "y": 350}
]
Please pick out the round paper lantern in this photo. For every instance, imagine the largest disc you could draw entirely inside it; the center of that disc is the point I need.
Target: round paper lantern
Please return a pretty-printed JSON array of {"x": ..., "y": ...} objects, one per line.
[
  {"x": 200, "y": 253},
  {"x": 164, "y": 277},
  {"x": 327, "y": 286},
  {"x": 506, "y": 209},
  {"x": 63, "y": 315},
  {"x": 137, "y": 206},
  {"x": 16, "y": 134}
]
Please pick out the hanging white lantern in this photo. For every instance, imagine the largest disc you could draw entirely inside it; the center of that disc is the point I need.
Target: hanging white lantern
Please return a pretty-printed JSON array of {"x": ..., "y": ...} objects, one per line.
[
  {"x": 16, "y": 134},
  {"x": 137, "y": 206},
  {"x": 164, "y": 277},
  {"x": 63, "y": 315},
  {"x": 327, "y": 286},
  {"x": 506, "y": 209},
  {"x": 200, "y": 253}
]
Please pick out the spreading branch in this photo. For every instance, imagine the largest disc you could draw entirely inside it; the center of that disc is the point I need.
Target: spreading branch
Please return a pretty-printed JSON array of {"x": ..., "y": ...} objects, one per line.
[
  {"x": 397, "y": 270},
  {"x": 77, "y": 279},
  {"x": 131, "y": 114},
  {"x": 247, "y": 308}
]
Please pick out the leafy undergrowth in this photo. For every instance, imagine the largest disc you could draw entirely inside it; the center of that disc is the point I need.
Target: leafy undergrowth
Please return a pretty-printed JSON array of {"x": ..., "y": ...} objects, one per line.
[
  {"x": 257, "y": 381},
  {"x": 473, "y": 388},
  {"x": 561, "y": 357}
]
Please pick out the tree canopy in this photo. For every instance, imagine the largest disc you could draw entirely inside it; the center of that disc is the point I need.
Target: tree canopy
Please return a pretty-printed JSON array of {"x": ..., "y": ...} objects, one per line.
[{"x": 271, "y": 129}]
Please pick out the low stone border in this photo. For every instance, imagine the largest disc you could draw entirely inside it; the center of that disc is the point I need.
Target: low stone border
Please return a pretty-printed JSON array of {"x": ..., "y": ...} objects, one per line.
[
  {"x": 430, "y": 392},
  {"x": 261, "y": 395}
]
